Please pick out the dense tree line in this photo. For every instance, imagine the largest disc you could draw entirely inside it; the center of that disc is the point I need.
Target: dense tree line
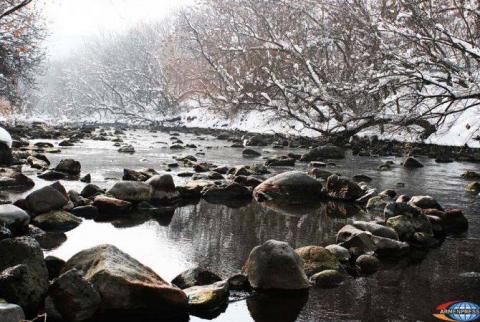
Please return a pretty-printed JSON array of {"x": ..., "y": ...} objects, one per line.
[
  {"x": 21, "y": 33},
  {"x": 334, "y": 66}
]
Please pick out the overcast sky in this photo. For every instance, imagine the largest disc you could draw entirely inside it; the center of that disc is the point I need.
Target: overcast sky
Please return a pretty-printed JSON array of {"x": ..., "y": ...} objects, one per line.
[{"x": 70, "y": 21}]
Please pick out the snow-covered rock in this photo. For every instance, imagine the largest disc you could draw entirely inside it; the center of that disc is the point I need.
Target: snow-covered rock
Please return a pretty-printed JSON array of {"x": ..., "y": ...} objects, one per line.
[{"x": 5, "y": 137}]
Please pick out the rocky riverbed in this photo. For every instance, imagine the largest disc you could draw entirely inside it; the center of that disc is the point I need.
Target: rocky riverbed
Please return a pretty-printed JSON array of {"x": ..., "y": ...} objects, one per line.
[{"x": 110, "y": 224}]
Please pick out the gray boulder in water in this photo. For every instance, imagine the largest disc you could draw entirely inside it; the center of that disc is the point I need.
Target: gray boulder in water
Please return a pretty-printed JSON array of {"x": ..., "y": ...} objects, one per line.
[
  {"x": 274, "y": 265},
  {"x": 289, "y": 187},
  {"x": 324, "y": 152}
]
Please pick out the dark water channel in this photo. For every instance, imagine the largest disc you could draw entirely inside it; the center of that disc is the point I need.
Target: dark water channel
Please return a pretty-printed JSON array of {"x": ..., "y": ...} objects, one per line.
[{"x": 220, "y": 238}]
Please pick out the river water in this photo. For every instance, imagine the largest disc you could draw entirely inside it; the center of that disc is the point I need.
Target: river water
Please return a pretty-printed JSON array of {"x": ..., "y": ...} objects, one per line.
[{"x": 220, "y": 238}]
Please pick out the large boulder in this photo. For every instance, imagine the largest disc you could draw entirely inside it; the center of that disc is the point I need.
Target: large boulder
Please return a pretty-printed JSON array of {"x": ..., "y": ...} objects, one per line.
[
  {"x": 324, "y": 152},
  {"x": 274, "y": 265},
  {"x": 163, "y": 188},
  {"x": 195, "y": 277},
  {"x": 46, "y": 199},
  {"x": 344, "y": 189},
  {"x": 72, "y": 297},
  {"x": 14, "y": 218},
  {"x": 131, "y": 191},
  {"x": 290, "y": 187},
  {"x": 24, "y": 275},
  {"x": 69, "y": 166},
  {"x": 57, "y": 220},
  {"x": 317, "y": 259},
  {"x": 125, "y": 285},
  {"x": 11, "y": 313}
]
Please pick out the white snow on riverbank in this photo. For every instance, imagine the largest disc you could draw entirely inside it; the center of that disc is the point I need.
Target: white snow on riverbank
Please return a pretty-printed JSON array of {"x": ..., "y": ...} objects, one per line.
[
  {"x": 456, "y": 132},
  {"x": 5, "y": 137}
]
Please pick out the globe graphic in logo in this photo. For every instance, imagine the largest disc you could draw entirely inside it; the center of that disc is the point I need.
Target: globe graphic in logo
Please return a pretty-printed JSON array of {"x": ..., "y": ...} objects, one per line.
[{"x": 465, "y": 311}]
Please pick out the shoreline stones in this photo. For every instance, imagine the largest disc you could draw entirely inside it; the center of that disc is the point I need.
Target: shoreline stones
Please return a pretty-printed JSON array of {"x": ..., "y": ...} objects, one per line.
[{"x": 323, "y": 152}]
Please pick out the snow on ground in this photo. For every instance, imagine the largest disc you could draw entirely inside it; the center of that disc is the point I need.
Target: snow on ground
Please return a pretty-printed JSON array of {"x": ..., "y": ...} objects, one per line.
[
  {"x": 5, "y": 137},
  {"x": 457, "y": 132}
]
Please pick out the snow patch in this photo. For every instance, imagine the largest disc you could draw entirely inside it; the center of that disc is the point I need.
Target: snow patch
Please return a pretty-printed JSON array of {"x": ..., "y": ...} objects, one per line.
[{"x": 5, "y": 137}]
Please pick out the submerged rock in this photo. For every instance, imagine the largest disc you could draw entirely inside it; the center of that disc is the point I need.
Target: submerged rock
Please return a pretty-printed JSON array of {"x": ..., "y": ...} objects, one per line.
[
  {"x": 125, "y": 285},
  {"x": 274, "y": 265},
  {"x": 290, "y": 187}
]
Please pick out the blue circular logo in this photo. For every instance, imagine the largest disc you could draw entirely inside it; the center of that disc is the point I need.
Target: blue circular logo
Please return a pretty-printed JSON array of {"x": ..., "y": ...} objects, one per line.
[{"x": 464, "y": 311}]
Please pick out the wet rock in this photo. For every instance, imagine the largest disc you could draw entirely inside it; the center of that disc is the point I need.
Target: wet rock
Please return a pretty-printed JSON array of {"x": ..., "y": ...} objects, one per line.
[
  {"x": 5, "y": 233},
  {"x": 368, "y": 264},
  {"x": 361, "y": 178},
  {"x": 208, "y": 300},
  {"x": 54, "y": 266},
  {"x": 280, "y": 162},
  {"x": 91, "y": 190},
  {"x": 425, "y": 202},
  {"x": 376, "y": 229},
  {"x": 211, "y": 175},
  {"x": 274, "y": 265},
  {"x": 473, "y": 187},
  {"x": 45, "y": 200},
  {"x": 177, "y": 146},
  {"x": 133, "y": 175},
  {"x": 250, "y": 153},
  {"x": 43, "y": 145},
  {"x": 127, "y": 149},
  {"x": 257, "y": 140},
  {"x": 125, "y": 285},
  {"x": 412, "y": 163},
  {"x": 240, "y": 170},
  {"x": 195, "y": 277},
  {"x": 327, "y": 278},
  {"x": 319, "y": 173},
  {"x": 65, "y": 143},
  {"x": 249, "y": 181},
  {"x": 58, "y": 221},
  {"x": 14, "y": 219},
  {"x": 399, "y": 208},
  {"x": 317, "y": 259},
  {"x": 387, "y": 247},
  {"x": 111, "y": 206},
  {"x": 291, "y": 187},
  {"x": 131, "y": 191},
  {"x": 470, "y": 175},
  {"x": 51, "y": 175},
  {"x": 14, "y": 180},
  {"x": 163, "y": 188},
  {"x": 226, "y": 191},
  {"x": 239, "y": 282},
  {"x": 69, "y": 166},
  {"x": 88, "y": 212},
  {"x": 388, "y": 193},
  {"x": 6, "y": 157},
  {"x": 11, "y": 313},
  {"x": 77, "y": 199},
  {"x": 451, "y": 221},
  {"x": 344, "y": 189},
  {"x": 24, "y": 276},
  {"x": 348, "y": 231},
  {"x": 324, "y": 152},
  {"x": 406, "y": 226},
  {"x": 86, "y": 178},
  {"x": 185, "y": 174},
  {"x": 37, "y": 163},
  {"x": 378, "y": 203},
  {"x": 72, "y": 297},
  {"x": 340, "y": 252}
]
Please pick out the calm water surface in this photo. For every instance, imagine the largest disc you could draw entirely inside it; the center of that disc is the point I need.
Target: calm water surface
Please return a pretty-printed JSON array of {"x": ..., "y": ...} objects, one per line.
[{"x": 220, "y": 238}]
